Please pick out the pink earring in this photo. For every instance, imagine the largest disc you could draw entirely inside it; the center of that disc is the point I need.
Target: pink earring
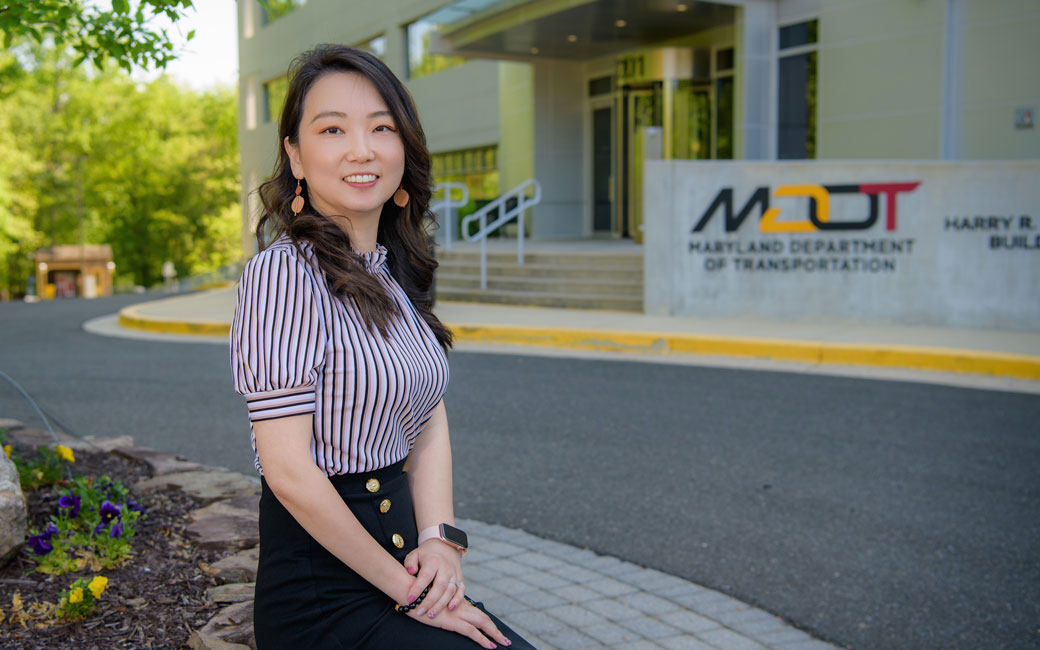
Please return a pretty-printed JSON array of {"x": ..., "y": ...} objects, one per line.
[
  {"x": 401, "y": 197},
  {"x": 297, "y": 203}
]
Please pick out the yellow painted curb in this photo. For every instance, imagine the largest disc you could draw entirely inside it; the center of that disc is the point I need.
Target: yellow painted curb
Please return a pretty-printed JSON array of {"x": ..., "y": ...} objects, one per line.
[
  {"x": 209, "y": 286},
  {"x": 917, "y": 358},
  {"x": 132, "y": 318}
]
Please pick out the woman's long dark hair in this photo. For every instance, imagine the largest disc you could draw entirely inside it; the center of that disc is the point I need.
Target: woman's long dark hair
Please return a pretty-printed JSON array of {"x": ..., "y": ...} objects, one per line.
[{"x": 401, "y": 230}]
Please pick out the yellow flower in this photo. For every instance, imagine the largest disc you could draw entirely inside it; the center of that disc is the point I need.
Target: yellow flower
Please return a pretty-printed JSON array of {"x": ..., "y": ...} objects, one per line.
[
  {"x": 8, "y": 450},
  {"x": 65, "y": 453},
  {"x": 76, "y": 595},
  {"x": 97, "y": 586}
]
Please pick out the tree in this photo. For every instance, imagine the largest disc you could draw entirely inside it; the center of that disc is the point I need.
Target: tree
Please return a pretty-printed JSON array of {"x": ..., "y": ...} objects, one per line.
[
  {"x": 122, "y": 33},
  {"x": 151, "y": 169}
]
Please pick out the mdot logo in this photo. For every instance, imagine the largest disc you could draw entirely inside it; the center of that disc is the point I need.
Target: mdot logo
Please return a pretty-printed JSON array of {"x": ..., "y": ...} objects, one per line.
[{"x": 819, "y": 217}]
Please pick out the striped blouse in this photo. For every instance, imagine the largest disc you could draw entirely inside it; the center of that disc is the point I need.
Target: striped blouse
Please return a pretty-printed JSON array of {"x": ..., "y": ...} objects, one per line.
[{"x": 297, "y": 349}]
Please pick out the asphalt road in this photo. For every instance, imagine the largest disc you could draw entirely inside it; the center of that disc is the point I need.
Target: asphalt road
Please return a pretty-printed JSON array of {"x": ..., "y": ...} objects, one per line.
[{"x": 876, "y": 514}]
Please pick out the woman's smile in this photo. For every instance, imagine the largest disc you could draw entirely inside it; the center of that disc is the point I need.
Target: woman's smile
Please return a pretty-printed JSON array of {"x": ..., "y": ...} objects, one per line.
[{"x": 361, "y": 180}]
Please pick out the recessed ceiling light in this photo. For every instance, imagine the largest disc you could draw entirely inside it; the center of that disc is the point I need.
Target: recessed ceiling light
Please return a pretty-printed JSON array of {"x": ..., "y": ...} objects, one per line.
[
  {"x": 620, "y": 23},
  {"x": 571, "y": 38},
  {"x": 534, "y": 50},
  {"x": 681, "y": 7}
]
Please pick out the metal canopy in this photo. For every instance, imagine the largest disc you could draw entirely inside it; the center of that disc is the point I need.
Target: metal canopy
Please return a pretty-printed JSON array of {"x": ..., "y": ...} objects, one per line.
[{"x": 573, "y": 29}]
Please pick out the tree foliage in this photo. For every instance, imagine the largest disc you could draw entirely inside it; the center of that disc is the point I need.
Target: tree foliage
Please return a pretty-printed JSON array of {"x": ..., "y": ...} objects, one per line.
[
  {"x": 151, "y": 169},
  {"x": 122, "y": 33}
]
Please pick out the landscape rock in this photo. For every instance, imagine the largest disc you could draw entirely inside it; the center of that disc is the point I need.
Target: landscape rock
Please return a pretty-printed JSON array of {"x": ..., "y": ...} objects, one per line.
[
  {"x": 199, "y": 641},
  {"x": 12, "y": 510},
  {"x": 239, "y": 567},
  {"x": 228, "y": 524},
  {"x": 8, "y": 424},
  {"x": 235, "y": 592},
  {"x": 107, "y": 443},
  {"x": 40, "y": 438},
  {"x": 244, "y": 505},
  {"x": 160, "y": 462},
  {"x": 233, "y": 624},
  {"x": 224, "y": 532},
  {"x": 206, "y": 486}
]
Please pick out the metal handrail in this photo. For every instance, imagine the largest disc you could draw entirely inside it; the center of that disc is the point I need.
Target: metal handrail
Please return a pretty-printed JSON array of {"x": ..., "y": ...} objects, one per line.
[
  {"x": 448, "y": 204},
  {"x": 523, "y": 202}
]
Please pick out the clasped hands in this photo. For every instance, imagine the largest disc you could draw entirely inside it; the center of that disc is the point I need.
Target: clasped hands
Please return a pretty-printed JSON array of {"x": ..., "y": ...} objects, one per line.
[{"x": 439, "y": 566}]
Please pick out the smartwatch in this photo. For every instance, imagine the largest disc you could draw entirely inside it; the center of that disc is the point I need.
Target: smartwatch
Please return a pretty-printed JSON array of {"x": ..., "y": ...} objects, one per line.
[{"x": 450, "y": 535}]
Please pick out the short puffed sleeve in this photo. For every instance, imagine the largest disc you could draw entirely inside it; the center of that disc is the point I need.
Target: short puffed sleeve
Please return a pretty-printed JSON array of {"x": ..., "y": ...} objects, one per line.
[{"x": 277, "y": 337}]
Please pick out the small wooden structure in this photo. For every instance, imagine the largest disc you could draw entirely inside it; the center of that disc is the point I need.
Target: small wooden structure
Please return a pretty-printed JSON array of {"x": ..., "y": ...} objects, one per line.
[{"x": 71, "y": 271}]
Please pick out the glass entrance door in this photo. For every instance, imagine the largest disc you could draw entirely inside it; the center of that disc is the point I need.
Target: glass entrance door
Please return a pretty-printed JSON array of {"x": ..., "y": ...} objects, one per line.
[
  {"x": 603, "y": 222},
  {"x": 691, "y": 121},
  {"x": 641, "y": 107}
]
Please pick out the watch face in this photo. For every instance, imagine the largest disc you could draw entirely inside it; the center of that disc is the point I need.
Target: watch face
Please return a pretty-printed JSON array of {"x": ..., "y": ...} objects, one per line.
[{"x": 455, "y": 536}]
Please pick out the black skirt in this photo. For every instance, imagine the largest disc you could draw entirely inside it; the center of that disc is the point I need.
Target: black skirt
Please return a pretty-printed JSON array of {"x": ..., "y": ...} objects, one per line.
[{"x": 307, "y": 599}]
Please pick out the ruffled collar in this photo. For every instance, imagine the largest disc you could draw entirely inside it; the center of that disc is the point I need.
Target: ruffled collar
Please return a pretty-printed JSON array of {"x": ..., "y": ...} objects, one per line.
[{"x": 374, "y": 260}]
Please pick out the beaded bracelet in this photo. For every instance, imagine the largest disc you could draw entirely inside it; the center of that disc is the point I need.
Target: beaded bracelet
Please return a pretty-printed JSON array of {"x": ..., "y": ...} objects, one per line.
[{"x": 404, "y": 609}]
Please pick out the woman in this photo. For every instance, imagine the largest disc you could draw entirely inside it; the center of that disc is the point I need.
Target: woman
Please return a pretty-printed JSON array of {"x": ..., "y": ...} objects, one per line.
[{"x": 342, "y": 362}]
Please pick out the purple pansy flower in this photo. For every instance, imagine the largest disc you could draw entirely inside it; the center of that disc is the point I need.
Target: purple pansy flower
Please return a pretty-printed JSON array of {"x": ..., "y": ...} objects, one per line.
[
  {"x": 110, "y": 511},
  {"x": 41, "y": 544},
  {"x": 50, "y": 530},
  {"x": 70, "y": 501},
  {"x": 117, "y": 530},
  {"x": 135, "y": 506}
]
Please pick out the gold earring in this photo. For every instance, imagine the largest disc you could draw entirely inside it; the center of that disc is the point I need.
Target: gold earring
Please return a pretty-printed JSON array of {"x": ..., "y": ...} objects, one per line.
[
  {"x": 401, "y": 197},
  {"x": 297, "y": 203}
]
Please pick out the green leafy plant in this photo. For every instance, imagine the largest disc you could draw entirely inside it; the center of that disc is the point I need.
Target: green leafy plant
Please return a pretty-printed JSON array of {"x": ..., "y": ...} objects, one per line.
[
  {"x": 47, "y": 467},
  {"x": 93, "y": 528},
  {"x": 124, "y": 33}
]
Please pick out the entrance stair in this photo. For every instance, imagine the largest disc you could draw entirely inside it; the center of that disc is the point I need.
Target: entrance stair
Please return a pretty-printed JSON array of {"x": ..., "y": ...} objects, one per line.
[{"x": 582, "y": 274}]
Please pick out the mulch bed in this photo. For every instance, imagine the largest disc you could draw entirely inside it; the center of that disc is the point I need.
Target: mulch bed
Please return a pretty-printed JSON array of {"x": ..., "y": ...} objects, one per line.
[{"x": 153, "y": 601}]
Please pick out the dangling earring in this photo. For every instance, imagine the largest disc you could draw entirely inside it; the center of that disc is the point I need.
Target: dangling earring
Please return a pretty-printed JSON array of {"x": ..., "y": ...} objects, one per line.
[
  {"x": 401, "y": 197},
  {"x": 297, "y": 203}
]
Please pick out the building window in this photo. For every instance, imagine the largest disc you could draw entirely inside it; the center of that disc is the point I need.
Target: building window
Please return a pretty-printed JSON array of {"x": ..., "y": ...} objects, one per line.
[
  {"x": 274, "y": 98},
  {"x": 796, "y": 119},
  {"x": 601, "y": 86},
  {"x": 376, "y": 46},
  {"x": 724, "y": 60},
  {"x": 477, "y": 168},
  {"x": 722, "y": 80},
  {"x": 799, "y": 34},
  {"x": 421, "y": 61},
  {"x": 275, "y": 9}
]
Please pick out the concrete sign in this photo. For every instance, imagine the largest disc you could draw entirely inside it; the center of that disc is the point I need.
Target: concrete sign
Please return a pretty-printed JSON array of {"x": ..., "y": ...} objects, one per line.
[{"x": 926, "y": 243}]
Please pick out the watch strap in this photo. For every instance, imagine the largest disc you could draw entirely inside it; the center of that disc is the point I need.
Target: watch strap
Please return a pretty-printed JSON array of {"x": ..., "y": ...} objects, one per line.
[{"x": 432, "y": 532}]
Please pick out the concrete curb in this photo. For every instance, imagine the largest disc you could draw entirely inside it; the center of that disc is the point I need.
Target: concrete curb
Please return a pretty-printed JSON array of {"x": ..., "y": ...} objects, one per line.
[
  {"x": 132, "y": 318},
  {"x": 916, "y": 358},
  {"x": 894, "y": 356}
]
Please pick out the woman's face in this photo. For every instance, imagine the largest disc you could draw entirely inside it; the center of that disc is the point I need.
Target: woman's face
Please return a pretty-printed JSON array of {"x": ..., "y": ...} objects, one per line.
[{"x": 349, "y": 152}]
